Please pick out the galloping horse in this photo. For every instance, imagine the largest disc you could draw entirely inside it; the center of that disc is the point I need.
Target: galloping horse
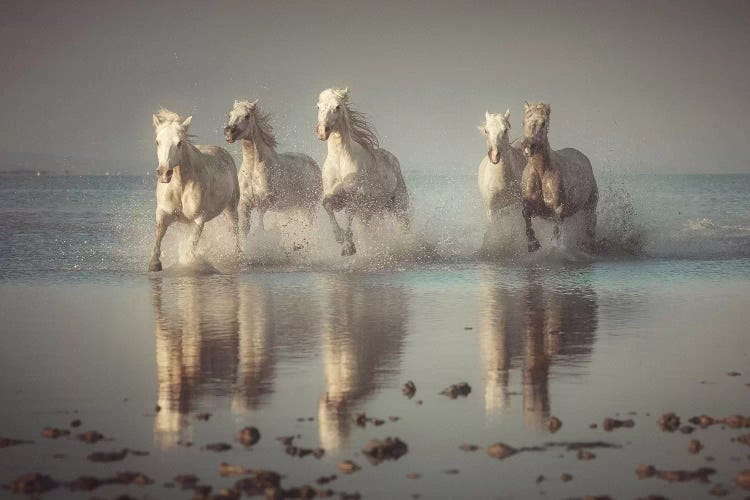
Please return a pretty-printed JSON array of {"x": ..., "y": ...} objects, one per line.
[
  {"x": 555, "y": 184},
  {"x": 359, "y": 176},
  {"x": 196, "y": 183},
  {"x": 268, "y": 180}
]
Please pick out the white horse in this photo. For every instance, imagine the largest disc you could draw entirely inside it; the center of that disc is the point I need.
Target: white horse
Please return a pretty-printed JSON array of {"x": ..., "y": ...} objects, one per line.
[
  {"x": 268, "y": 180},
  {"x": 501, "y": 169},
  {"x": 555, "y": 184},
  {"x": 196, "y": 183},
  {"x": 359, "y": 176}
]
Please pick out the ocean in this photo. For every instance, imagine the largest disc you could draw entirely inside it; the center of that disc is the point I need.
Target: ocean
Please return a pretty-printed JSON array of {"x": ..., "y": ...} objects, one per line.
[{"x": 301, "y": 342}]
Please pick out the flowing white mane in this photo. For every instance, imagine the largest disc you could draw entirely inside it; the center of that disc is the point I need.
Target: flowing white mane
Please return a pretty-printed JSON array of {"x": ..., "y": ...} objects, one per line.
[
  {"x": 166, "y": 117},
  {"x": 261, "y": 118},
  {"x": 363, "y": 132}
]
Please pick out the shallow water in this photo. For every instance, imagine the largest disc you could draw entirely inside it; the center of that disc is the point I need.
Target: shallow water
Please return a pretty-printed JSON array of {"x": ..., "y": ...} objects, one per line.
[{"x": 87, "y": 334}]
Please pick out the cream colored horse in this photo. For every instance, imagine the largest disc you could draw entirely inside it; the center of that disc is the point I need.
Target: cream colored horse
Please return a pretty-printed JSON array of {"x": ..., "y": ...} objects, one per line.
[
  {"x": 501, "y": 169},
  {"x": 268, "y": 180},
  {"x": 555, "y": 184},
  {"x": 359, "y": 176},
  {"x": 196, "y": 183}
]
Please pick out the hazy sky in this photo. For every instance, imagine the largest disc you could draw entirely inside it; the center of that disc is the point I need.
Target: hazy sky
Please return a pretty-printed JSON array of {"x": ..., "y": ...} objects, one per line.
[{"x": 638, "y": 86}]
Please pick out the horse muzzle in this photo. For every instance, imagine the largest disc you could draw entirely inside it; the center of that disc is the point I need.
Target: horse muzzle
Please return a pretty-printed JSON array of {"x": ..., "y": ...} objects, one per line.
[
  {"x": 323, "y": 132},
  {"x": 529, "y": 149},
  {"x": 494, "y": 156},
  {"x": 164, "y": 174},
  {"x": 229, "y": 134}
]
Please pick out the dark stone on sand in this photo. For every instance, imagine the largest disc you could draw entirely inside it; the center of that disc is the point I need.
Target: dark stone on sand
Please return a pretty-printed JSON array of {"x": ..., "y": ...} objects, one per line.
[
  {"x": 743, "y": 479},
  {"x": 694, "y": 446},
  {"x": 305, "y": 491},
  {"x": 75, "y": 423},
  {"x": 218, "y": 447},
  {"x": 737, "y": 421},
  {"x": 469, "y": 447},
  {"x": 611, "y": 424},
  {"x": 248, "y": 436},
  {"x": 229, "y": 470},
  {"x": 744, "y": 439},
  {"x": 203, "y": 416},
  {"x": 202, "y": 492},
  {"x": 718, "y": 491},
  {"x": 392, "y": 448},
  {"x": 413, "y": 475},
  {"x": 85, "y": 483},
  {"x": 32, "y": 483},
  {"x": 701, "y": 474},
  {"x": 734, "y": 374},
  {"x": 585, "y": 455},
  {"x": 554, "y": 424},
  {"x": 703, "y": 421},
  {"x": 325, "y": 479},
  {"x": 394, "y": 419},
  {"x": 566, "y": 477},
  {"x": 285, "y": 440},
  {"x": 468, "y": 328},
  {"x": 500, "y": 451},
  {"x": 348, "y": 467},
  {"x": 90, "y": 437},
  {"x": 409, "y": 389},
  {"x": 299, "y": 452},
  {"x": 54, "y": 433},
  {"x": 227, "y": 494},
  {"x": 593, "y": 426},
  {"x": 186, "y": 481},
  {"x": 349, "y": 496},
  {"x": 687, "y": 429},
  {"x": 104, "y": 456},
  {"x": 378, "y": 422},
  {"x": 451, "y": 471},
  {"x": 539, "y": 479},
  {"x": 6, "y": 442},
  {"x": 361, "y": 419},
  {"x": 669, "y": 422},
  {"x": 128, "y": 477},
  {"x": 420, "y": 402},
  {"x": 462, "y": 389}
]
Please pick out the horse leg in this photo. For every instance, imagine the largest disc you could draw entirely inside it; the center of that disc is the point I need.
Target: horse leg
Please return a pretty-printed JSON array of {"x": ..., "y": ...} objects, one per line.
[
  {"x": 527, "y": 211},
  {"x": 349, "y": 248},
  {"x": 195, "y": 236},
  {"x": 234, "y": 224},
  {"x": 589, "y": 228},
  {"x": 557, "y": 219},
  {"x": 338, "y": 233},
  {"x": 162, "y": 223},
  {"x": 245, "y": 214},
  {"x": 261, "y": 213}
]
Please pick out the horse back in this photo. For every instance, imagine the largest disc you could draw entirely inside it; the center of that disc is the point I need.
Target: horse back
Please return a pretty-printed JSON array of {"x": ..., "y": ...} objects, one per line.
[{"x": 577, "y": 176}]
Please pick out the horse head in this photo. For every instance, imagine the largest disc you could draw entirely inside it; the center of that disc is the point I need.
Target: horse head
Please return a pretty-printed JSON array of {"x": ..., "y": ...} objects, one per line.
[
  {"x": 171, "y": 135},
  {"x": 240, "y": 121},
  {"x": 331, "y": 104},
  {"x": 535, "y": 126},
  {"x": 495, "y": 131}
]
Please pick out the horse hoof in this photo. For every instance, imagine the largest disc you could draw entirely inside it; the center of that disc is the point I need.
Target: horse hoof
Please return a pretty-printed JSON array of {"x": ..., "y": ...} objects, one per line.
[
  {"x": 154, "y": 267},
  {"x": 349, "y": 249},
  {"x": 534, "y": 246}
]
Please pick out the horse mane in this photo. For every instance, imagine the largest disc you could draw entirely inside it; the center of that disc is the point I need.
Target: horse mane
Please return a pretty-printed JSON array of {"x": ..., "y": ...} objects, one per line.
[
  {"x": 262, "y": 121},
  {"x": 361, "y": 129},
  {"x": 167, "y": 117}
]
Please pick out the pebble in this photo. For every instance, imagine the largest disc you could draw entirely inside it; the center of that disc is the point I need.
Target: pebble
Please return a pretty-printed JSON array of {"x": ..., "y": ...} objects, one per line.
[
  {"x": 695, "y": 446},
  {"x": 103, "y": 456},
  {"x": 409, "y": 389},
  {"x": 6, "y": 442},
  {"x": 54, "y": 433},
  {"x": 32, "y": 483},
  {"x": 75, "y": 423},
  {"x": 248, "y": 436},
  {"x": 186, "y": 481},
  {"x": 348, "y": 467},
  {"x": 500, "y": 451},
  {"x": 554, "y": 424},
  {"x": 462, "y": 389},
  {"x": 392, "y": 448},
  {"x": 469, "y": 447},
  {"x": 611, "y": 424},
  {"x": 566, "y": 477},
  {"x": 585, "y": 455},
  {"x": 413, "y": 475},
  {"x": 669, "y": 422},
  {"x": 203, "y": 416},
  {"x": 90, "y": 437},
  {"x": 743, "y": 479},
  {"x": 718, "y": 491},
  {"x": 218, "y": 447}
]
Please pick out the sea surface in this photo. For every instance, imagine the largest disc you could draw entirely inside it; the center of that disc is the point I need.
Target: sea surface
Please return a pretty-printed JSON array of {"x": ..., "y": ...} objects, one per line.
[{"x": 300, "y": 341}]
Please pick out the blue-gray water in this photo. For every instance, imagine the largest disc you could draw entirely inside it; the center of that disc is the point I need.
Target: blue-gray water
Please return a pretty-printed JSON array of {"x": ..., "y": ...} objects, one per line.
[{"x": 88, "y": 334}]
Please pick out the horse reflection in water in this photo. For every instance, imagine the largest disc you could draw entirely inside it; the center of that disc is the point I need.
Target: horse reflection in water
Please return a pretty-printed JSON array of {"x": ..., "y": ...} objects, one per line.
[
  {"x": 213, "y": 338},
  {"x": 533, "y": 328},
  {"x": 363, "y": 330}
]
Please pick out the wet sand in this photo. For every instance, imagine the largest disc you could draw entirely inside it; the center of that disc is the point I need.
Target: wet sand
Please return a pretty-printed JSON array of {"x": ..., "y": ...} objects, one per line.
[{"x": 323, "y": 357}]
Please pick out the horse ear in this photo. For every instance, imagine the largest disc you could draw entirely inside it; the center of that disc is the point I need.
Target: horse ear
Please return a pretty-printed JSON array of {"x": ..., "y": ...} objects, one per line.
[
  {"x": 507, "y": 114},
  {"x": 187, "y": 122},
  {"x": 526, "y": 105},
  {"x": 345, "y": 93},
  {"x": 482, "y": 129},
  {"x": 486, "y": 114},
  {"x": 236, "y": 102},
  {"x": 547, "y": 108},
  {"x": 157, "y": 122},
  {"x": 254, "y": 103}
]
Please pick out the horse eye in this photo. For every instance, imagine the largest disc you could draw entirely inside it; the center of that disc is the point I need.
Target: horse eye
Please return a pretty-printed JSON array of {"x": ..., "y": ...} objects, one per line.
[
  {"x": 337, "y": 107},
  {"x": 179, "y": 144}
]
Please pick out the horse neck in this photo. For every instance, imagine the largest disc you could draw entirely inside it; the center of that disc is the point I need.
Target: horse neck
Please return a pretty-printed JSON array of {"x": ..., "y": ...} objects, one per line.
[
  {"x": 188, "y": 160},
  {"x": 256, "y": 153},
  {"x": 340, "y": 140},
  {"x": 512, "y": 157},
  {"x": 542, "y": 159}
]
